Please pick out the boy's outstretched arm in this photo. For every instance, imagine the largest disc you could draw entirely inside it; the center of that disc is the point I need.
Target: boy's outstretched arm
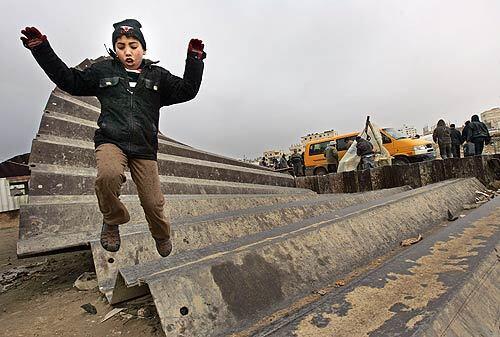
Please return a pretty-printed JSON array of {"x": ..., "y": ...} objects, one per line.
[
  {"x": 71, "y": 80},
  {"x": 177, "y": 90}
]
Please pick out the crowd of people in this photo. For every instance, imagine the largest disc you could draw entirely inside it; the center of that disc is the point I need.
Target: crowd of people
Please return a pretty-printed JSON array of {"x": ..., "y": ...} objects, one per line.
[
  {"x": 473, "y": 137},
  {"x": 295, "y": 162}
]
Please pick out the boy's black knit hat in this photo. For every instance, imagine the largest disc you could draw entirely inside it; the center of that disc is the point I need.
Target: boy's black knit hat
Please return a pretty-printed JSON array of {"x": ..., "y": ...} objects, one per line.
[{"x": 128, "y": 27}]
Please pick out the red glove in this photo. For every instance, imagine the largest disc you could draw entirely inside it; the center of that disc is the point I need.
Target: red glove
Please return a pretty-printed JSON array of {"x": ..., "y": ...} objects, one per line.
[
  {"x": 32, "y": 37},
  {"x": 196, "y": 46}
]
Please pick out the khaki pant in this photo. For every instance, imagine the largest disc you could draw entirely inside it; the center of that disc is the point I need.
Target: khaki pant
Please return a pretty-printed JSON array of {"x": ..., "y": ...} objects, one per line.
[{"x": 111, "y": 163}]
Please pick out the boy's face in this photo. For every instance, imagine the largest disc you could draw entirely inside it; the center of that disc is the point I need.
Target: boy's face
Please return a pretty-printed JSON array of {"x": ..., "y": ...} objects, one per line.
[{"x": 129, "y": 51}]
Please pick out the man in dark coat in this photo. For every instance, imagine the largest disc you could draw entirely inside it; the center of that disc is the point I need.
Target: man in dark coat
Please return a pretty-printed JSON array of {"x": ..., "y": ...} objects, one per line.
[
  {"x": 296, "y": 160},
  {"x": 283, "y": 164},
  {"x": 263, "y": 162},
  {"x": 456, "y": 141},
  {"x": 332, "y": 157},
  {"x": 478, "y": 134},
  {"x": 468, "y": 146},
  {"x": 441, "y": 136},
  {"x": 465, "y": 130},
  {"x": 364, "y": 149}
]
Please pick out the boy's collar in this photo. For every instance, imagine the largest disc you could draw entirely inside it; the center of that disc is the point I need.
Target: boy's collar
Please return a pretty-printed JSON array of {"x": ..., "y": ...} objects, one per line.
[
  {"x": 145, "y": 63},
  {"x": 148, "y": 63}
]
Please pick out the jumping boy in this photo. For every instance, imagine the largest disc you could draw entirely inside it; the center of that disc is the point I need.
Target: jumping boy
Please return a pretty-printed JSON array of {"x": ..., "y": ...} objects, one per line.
[{"x": 131, "y": 91}]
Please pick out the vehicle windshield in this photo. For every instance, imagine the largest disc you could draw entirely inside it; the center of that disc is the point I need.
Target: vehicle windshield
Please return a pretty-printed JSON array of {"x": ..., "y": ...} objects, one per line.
[{"x": 395, "y": 133}]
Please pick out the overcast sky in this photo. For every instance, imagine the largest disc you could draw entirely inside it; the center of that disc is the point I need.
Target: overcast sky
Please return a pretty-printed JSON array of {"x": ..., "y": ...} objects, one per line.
[{"x": 275, "y": 70}]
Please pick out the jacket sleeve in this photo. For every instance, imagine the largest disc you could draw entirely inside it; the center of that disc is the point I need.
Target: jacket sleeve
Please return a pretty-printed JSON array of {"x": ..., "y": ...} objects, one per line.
[
  {"x": 177, "y": 90},
  {"x": 73, "y": 81},
  {"x": 486, "y": 131},
  {"x": 434, "y": 136},
  {"x": 469, "y": 132}
]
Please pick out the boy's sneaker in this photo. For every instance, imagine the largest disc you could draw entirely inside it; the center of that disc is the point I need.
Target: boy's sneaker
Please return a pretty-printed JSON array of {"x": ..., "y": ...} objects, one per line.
[
  {"x": 164, "y": 246},
  {"x": 110, "y": 237}
]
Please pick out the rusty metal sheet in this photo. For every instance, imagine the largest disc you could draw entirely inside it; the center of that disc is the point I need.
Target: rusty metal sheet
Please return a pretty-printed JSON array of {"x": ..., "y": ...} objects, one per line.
[{"x": 224, "y": 287}]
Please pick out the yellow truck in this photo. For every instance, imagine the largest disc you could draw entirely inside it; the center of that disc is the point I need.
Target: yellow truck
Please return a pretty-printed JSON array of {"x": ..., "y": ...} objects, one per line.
[{"x": 402, "y": 148}]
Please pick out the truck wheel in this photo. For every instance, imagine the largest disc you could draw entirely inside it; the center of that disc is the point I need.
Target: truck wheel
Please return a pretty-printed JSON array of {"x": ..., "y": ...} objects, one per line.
[
  {"x": 400, "y": 161},
  {"x": 320, "y": 171}
]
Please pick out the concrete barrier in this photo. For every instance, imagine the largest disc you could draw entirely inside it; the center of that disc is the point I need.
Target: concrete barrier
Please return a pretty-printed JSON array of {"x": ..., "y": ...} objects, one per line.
[
  {"x": 414, "y": 175},
  {"x": 225, "y": 288},
  {"x": 446, "y": 285},
  {"x": 197, "y": 232},
  {"x": 62, "y": 164}
]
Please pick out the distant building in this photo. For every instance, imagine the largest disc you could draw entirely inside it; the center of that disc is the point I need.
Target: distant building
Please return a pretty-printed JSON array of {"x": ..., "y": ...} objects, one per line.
[
  {"x": 271, "y": 154},
  {"x": 491, "y": 118},
  {"x": 299, "y": 147},
  {"x": 14, "y": 178},
  {"x": 317, "y": 135},
  {"x": 428, "y": 130},
  {"x": 410, "y": 131}
]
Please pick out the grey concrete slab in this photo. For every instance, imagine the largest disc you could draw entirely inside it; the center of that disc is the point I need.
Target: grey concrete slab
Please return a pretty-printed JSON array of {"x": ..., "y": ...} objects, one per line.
[
  {"x": 47, "y": 224},
  {"x": 77, "y": 153},
  {"x": 65, "y": 129},
  {"x": 198, "y": 232},
  {"x": 446, "y": 285},
  {"x": 65, "y": 180},
  {"x": 226, "y": 288}
]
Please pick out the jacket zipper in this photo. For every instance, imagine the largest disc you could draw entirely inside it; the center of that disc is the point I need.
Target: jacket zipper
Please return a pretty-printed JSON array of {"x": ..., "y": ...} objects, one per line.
[
  {"x": 131, "y": 117},
  {"x": 131, "y": 114}
]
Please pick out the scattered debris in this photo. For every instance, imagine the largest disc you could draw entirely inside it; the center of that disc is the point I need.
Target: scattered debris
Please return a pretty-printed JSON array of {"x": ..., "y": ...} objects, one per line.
[
  {"x": 53, "y": 278},
  {"x": 111, "y": 314},
  {"x": 14, "y": 276},
  {"x": 411, "y": 241},
  {"x": 451, "y": 217},
  {"x": 86, "y": 281},
  {"x": 320, "y": 292},
  {"x": 340, "y": 283},
  {"x": 89, "y": 308},
  {"x": 483, "y": 197},
  {"x": 126, "y": 316},
  {"x": 469, "y": 206},
  {"x": 462, "y": 215},
  {"x": 146, "y": 312}
]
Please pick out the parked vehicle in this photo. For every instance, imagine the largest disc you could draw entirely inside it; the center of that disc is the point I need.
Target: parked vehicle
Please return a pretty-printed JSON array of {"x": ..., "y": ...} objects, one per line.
[{"x": 402, "y": 148}]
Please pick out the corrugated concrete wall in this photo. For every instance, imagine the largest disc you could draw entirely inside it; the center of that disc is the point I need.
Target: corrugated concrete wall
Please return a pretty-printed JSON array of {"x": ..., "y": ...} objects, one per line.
[
  {"x": 485, "y": 168},
  {"x": 8, "y": 202}
]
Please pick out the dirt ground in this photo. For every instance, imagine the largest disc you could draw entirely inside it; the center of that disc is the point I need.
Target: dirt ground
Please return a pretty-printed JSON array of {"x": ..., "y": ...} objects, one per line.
[{"x": 37, "y": 297}]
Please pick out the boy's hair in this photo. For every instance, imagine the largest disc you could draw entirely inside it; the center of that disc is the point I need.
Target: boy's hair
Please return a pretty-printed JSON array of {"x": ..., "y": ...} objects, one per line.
[{"x": 129, "y": 28}]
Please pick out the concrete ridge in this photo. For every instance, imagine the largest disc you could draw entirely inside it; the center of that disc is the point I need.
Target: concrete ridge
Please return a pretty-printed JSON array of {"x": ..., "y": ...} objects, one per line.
[
  {"x": 64, "y": 129},
  {"x": 413, "y": 293},
  {"x": 92, "y": 100},
  {"x": 196, "y": 232},
  {"x": 226, "y": 288},
  {"x": 70, "y": 119},
  {"x": 311, "y": 224},
  {"x": 69, "y": 146},
  {"x": 91, "y": 173},
  {"x": 92, "y": 199},
  {"x": 73, "y": 99},
  {"x": 46, "y": 215}
]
